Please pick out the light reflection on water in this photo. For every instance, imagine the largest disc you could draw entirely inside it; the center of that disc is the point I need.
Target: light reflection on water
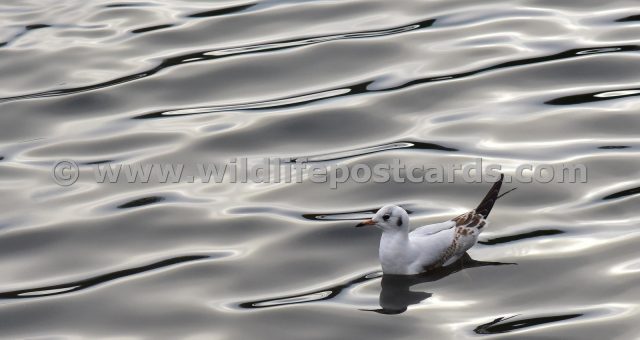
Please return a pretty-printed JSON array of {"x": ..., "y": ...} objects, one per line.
[{"x": 424, "y": 82}]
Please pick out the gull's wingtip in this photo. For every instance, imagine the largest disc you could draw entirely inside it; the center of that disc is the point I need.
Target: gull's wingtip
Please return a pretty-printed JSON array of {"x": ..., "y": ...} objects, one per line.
[{"x": 485, "y": 206}]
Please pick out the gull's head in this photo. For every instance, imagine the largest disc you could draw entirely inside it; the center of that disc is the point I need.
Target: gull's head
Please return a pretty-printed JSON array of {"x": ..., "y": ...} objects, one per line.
[{"x": 390, "y": 218}]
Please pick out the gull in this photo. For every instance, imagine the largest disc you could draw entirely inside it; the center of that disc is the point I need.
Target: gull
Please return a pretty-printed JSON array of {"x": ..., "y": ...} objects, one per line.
[{"x": 431, "y": 246}]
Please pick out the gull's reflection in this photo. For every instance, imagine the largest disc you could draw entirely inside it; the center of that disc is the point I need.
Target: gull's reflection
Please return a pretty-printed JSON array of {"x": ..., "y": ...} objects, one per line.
[{"x": 396, "y": 294}]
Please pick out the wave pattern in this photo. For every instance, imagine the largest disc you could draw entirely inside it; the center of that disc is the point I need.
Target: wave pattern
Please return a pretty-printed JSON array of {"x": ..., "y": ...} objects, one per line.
[
  {"x": 70, "y": 287},
  {"x": 225, "y": 53},
  {"x": 320, "y": 82},
  {"x": 369, "y": 87}
]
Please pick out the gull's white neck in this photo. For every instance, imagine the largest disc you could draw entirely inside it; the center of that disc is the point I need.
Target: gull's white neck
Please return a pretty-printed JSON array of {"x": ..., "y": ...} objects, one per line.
[{"x": 395, "y": 252}]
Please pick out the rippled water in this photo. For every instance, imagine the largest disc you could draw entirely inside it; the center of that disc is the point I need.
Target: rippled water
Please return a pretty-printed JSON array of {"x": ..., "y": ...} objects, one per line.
[{"x": 356, "y": 81}]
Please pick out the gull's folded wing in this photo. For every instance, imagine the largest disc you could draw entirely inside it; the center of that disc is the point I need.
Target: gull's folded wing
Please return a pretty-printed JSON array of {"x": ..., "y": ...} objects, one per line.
[{"x": 431, "y": 229}]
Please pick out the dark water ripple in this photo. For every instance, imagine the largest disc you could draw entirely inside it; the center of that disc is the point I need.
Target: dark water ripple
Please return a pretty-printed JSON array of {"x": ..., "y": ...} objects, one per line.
[
  {"x": 336, "y": 156},
  {"x": 629, "y": 18},
  {"x": 594, "y": 97},
  {"x": 129, "y": 4},
  {"x": 141, "y": 202},
  {"x": 23, "y": 32},
  {"x": 367, "y": 86},
  {"x": 610, "y": 147},
  {"x": 103, "y": 161},
  {"x": 151, "y": 28},
  {"x": 75, "y": 286},
  {"x": 425, "y": 83},
  {"x": 342, "y": 216},
  {"x": 225, "y": 53},
  {"x": 623, "y": 193},
  {"x": 221, "y": 11},
  {"x": 314, "y": 296},
  {"x": 502, "y": 325}
]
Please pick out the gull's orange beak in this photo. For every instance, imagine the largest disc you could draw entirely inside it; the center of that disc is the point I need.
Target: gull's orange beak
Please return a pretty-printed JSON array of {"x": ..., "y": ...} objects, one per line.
[{"x": 365, "y": 223}]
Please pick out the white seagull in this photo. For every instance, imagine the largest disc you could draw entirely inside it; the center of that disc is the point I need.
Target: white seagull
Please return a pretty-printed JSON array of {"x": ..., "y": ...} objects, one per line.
[{"x": 431, "y": 246}]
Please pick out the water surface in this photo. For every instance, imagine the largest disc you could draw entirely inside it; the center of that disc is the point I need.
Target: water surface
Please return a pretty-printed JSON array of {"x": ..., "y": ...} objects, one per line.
[{"x": 356, "y": 81}]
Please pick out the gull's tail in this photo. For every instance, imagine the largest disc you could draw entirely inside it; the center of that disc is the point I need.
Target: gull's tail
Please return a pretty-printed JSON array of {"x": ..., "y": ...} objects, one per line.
[{"x": 484, "y": 208}]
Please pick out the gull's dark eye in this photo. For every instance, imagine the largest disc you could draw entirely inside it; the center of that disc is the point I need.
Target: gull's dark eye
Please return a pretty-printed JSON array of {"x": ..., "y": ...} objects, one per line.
[{"x": 386, "y": 217}]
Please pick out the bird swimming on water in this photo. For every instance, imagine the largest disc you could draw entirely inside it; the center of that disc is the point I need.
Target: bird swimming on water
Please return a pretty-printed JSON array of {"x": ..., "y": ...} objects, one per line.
[{"x": 431, "y": 246}]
